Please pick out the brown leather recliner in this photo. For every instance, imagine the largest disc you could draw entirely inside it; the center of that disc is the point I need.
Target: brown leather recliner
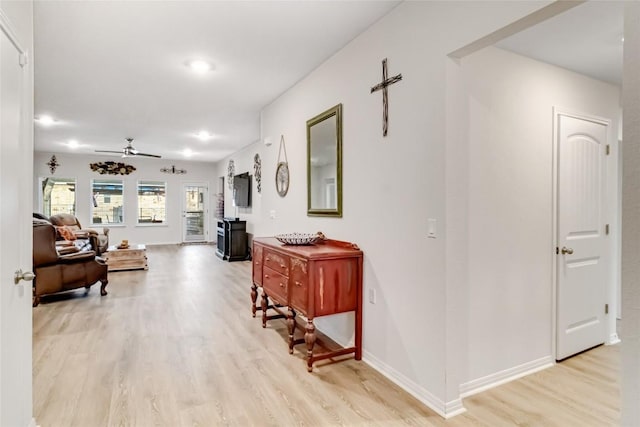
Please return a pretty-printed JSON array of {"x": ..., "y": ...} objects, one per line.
[
  {"x": 102, "y": 240},
  {"x": 58, "y": 273}
]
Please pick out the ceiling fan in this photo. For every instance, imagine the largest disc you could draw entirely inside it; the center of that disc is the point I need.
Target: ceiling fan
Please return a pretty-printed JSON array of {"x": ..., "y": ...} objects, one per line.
[{"x": 129, "y": 151}]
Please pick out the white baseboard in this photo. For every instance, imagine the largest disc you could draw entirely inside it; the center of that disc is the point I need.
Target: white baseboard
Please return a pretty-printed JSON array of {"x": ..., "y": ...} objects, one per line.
[
  {"x": 445, "y": 410},
  {"x": 453, "y": 408},
  {"x": 501, "y": 377},
  {"x": 613, "y": 339},
  {"x": 179, "y": 243},
  {"x": 161, "y": 244}
]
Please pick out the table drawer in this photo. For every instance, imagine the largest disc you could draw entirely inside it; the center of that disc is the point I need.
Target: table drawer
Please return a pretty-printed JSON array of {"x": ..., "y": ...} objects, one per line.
[
  {"x": 275, "y": 285},
  {"x": 276, "y": 262}
]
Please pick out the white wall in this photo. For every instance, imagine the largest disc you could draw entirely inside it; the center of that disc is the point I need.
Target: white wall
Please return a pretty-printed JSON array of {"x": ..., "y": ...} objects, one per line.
[
  {"x": 510, "y": 241},
  {"x": 630, "y": 325},
  {"x": 77, "y": 166},
  {"x": 390, "y": 185}
]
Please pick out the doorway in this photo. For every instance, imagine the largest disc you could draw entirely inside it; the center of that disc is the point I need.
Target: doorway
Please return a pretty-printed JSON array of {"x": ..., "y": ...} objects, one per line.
[{"x": 194, "y": 212}]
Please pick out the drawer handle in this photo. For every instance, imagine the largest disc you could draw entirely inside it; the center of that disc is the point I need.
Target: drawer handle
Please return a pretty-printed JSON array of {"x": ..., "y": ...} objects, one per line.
[
  {"x": 282, "y": 266},
  {"x": 268, "y": 259},
  {"x": 298, "y": 283},
  {"x": 282, "y": 285},
  {"x": 266, "y": 276},
  {"x": 257, "y": 262}
]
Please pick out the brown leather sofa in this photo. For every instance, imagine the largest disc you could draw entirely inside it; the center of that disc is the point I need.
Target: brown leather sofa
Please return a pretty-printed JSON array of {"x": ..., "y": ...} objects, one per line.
[
  {"x": 58, "y": 273},
  {"x": 71, "y": 222}
]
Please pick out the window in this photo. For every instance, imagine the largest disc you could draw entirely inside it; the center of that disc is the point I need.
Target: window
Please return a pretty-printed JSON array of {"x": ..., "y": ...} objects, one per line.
[
  {"x": 107, "y": 201},
  {"x": 58, "y": 196},
  {"x": 152, "y": 202}
]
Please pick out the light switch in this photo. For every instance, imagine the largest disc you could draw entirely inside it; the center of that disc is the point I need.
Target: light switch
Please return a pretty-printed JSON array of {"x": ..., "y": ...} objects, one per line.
[
  {"x": 431, "y": 228},
  {"x": 372, "y": 296}
]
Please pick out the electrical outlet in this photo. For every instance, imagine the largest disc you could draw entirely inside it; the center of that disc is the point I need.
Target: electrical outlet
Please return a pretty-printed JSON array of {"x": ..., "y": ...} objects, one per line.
[
  {"x": 372, "y": 296},
  {"x": 272, "y": 214}
]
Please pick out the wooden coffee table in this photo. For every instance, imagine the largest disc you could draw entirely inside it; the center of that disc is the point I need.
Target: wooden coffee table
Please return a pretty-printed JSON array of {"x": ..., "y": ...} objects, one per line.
[{"x": 132, "y": 258}]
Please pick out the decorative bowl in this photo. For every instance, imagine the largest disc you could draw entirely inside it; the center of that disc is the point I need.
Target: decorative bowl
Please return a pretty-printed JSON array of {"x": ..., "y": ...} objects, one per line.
[{"x": 298, "y": 238}]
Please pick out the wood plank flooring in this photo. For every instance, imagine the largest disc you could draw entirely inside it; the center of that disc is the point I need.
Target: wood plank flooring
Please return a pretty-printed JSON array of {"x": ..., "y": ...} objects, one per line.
[{"x": 177, "y": 346}]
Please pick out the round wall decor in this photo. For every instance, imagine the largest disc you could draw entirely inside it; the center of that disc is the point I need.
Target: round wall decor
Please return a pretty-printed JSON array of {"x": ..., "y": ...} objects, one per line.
[
  {"x": 282, "y": 171},
  {"x": 282, "y": 179}
]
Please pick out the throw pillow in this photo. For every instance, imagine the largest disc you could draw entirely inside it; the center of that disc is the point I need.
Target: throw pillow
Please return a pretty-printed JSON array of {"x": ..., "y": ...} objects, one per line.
[{"x": 65, "y": 233}]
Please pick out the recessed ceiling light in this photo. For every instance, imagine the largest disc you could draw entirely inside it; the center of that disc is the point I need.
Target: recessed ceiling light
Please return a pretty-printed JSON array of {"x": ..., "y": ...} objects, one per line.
[
  {"x": 199, "y": 66},
  {"x": 45, "y": 120},
  {"x": 73, "y": 143},
  {"x": 187, "y": 152},
  {"x": 203, "y": 135}
]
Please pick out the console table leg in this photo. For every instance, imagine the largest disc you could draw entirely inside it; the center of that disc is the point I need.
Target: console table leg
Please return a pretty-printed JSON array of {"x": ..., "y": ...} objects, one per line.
[
  {"x": 254, "y": 298},
  {"x": 265, "y": 305},
  {"x": 310, "y": 340},
  {"x": 291, "y": 326}
]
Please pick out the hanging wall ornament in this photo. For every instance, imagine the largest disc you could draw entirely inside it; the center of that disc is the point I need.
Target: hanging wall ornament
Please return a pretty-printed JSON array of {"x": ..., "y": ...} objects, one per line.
[
  {"x": 173, "y": 170},
  {"x": 257, "y": 171},
  {"x": 282, "y": 171},
  {"x": 53, "y": 164},
  {"x": 231, "y": 170}
]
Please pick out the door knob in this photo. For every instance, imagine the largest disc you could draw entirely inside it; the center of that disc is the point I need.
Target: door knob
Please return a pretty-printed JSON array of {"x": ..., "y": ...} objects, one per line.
[
  {"x": 566, "y": 250},
  {"x": 27, "y": 275}
]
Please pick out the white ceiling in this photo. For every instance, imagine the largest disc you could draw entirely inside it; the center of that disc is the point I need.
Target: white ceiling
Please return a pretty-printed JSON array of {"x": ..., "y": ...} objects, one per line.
[
  {"x": 108, "y": 70},
  {"x": 586, "y": 39}
]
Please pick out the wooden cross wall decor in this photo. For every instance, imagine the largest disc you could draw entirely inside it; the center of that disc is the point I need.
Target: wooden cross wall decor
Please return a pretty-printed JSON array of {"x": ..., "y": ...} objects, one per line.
[{"x": 385, "y": 97}]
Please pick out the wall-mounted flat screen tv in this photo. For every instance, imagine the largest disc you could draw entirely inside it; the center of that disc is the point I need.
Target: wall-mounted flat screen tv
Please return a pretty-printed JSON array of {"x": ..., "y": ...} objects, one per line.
[{"x": 242, "y": 190}]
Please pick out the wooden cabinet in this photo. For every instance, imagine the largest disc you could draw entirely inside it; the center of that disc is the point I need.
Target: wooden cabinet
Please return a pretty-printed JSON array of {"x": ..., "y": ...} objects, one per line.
[
  {"x": 231, "y": 239},
  {"x": 316, "y": 280}
]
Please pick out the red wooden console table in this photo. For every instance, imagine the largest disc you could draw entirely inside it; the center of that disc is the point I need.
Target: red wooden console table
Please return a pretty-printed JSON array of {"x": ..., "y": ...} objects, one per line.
[{"x": 315, "y": 280}]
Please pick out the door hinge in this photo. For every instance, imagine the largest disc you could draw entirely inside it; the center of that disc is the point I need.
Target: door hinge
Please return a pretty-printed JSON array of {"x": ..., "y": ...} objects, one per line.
[
  {"x": 557, "y": 250},
  {"x": 606, "y": 309},
  {"x": 606, "y": 229},
  {"x": 608, "y": 150}
]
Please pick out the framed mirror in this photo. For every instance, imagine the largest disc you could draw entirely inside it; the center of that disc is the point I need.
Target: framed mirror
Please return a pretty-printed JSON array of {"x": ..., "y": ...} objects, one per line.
[{"x": 324, "y": 163}]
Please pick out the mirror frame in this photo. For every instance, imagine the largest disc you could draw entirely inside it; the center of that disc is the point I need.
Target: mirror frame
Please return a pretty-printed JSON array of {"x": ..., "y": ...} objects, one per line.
[{"x": 337, "y": 212}]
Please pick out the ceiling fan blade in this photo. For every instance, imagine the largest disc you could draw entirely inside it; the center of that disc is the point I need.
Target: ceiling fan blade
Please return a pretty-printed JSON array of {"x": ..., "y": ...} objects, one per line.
[
  {"x": 148, "y": 155},
  {"x": 108, "y": 151}
]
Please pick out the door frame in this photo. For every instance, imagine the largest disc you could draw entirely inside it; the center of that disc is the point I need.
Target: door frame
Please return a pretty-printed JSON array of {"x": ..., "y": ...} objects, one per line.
[
  {"x": 561, "y": 111},
  {"x": 206, "y": 207}
]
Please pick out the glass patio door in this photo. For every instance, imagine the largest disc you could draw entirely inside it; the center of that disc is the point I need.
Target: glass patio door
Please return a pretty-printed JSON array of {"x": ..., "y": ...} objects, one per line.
[{"x": 194, "y": 226}]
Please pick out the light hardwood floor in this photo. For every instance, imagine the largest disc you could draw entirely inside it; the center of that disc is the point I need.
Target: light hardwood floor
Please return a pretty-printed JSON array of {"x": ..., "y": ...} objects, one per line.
[{"x": 177, "y": 346}]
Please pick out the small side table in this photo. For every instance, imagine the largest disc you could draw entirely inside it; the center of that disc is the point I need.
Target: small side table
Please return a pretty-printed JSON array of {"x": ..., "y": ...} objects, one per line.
[{"x": 132, "y": 258}]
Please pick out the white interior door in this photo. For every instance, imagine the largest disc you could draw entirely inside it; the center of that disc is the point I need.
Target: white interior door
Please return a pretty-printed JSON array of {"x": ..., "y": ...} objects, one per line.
[
  {"x": 16, "y": 162},
  {"x": 194, "y": 213},
  {"x": 582, "y": 278}
]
